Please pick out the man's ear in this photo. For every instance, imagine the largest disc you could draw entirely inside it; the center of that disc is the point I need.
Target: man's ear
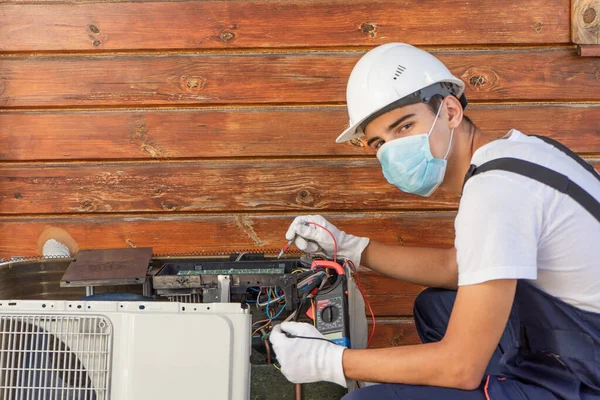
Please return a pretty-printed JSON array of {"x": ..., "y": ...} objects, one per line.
[{"x": 455, "y": 111}]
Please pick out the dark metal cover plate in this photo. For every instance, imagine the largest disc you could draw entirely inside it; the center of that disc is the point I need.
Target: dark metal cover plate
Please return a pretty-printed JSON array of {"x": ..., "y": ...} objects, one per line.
[{"x": 108, "y": 267}]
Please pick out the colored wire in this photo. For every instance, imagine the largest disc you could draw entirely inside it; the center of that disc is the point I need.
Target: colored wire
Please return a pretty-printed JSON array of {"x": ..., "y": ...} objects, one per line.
[
  {"x": 279, "y": 313},
  {"x": 366, "y": 300},
  {"x": 268, "y": 322},
  {"x": 332, "y": 237},
  {"x": 261, "y": 327},
  {"x": 277, "y": 298},
  {"x": 311, "y": 278},
  {"x": 267, "y": 310},
  {"x": 273, "y": 300},
  {"x": 260, "y": 322},
  {"x": 275, "y": 294}
]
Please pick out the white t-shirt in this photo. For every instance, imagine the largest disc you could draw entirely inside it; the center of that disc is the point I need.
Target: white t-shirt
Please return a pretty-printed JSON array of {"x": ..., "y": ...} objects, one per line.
[{"x": 512, "y": 227}]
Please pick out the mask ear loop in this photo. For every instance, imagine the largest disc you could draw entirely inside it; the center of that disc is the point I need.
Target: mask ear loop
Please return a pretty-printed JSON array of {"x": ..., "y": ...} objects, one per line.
[
  {"x": 435, "y": 120},
  {"x": 451, "y": 133},
  {"x": 449, "y": 144}
]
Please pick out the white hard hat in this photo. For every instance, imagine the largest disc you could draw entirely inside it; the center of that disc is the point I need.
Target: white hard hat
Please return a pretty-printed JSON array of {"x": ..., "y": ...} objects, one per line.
[{"x": 391, "y": 76}]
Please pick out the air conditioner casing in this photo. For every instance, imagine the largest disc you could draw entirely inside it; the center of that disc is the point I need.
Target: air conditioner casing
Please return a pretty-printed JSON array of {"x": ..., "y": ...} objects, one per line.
[{"x": 152, "y": 350}]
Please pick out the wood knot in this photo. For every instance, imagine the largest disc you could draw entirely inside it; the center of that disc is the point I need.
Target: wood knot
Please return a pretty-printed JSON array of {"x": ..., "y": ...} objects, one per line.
[
  {"x": 139, "y": 132},
  {"x": 538, "y": 26},
  {"x": 357, "y": 142},
  {"x": 226, "y": 36},
  {"x": 192, "y": 84},
  {"x": 169, "y": 206},
  {"x": 477, "y": 80},
  {"x": 396, "y": 340},
  {"x": 97, "y": 43},
  {"x": 480, "y": 80},
  {"x": 140, "y": 137},
  {"x": 305, "y": 197},
  {"x": 94, "y": 29},
  {"x": 368, "y": 29},
  {"x": 87, "y": 205},
  {"x": 589, "y": 15},
  {"x": 17, "y": 196},
  {"x": 161, "y": 190}
]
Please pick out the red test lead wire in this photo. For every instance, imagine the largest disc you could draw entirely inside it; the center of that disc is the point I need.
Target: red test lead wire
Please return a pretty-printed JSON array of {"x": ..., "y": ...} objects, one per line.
[{"x": 332, "y": 237}]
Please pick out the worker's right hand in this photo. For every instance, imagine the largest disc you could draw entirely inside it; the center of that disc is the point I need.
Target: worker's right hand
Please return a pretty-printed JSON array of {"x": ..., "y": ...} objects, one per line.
[{"x": 311, "y": 237}]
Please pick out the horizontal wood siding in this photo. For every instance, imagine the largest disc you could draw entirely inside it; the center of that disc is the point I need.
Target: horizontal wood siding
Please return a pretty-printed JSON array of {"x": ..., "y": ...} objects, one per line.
[
  {"x": 203, "y": 126},
  {"x": 77, "y": 26},
  {"x": 185, "y": 79}
]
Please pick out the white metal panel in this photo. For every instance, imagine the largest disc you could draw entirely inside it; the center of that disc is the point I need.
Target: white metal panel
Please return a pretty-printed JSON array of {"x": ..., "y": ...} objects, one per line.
[{"x": 159, "y": 350}]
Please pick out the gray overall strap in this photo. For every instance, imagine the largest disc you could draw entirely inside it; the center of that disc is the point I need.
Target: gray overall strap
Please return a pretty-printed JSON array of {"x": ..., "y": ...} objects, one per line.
[
  {"x": 571, "y": 154},
  {"x": 544, "y": 175}
]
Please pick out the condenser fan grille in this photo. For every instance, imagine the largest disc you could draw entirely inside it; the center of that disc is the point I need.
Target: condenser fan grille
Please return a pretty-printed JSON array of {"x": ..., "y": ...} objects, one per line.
[{"x": 54, "y": 357}]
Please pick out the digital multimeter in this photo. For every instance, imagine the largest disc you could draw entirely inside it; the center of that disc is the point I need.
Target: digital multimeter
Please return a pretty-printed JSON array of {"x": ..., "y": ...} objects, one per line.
[{"x": 331, "y": 313}]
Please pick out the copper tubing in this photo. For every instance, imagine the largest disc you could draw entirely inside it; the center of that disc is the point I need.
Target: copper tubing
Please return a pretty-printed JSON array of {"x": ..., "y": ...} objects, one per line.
[
  {"x": 298, "y": 391},
  {"x": 268, "y": 351}
]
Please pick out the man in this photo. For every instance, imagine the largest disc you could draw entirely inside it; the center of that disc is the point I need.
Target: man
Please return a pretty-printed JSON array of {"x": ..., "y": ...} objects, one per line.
[{"x": 524, "y": 322}]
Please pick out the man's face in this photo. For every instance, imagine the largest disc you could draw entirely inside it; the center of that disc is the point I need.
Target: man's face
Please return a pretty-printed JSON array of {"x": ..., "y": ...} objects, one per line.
[{"x": 410, "y": 120}]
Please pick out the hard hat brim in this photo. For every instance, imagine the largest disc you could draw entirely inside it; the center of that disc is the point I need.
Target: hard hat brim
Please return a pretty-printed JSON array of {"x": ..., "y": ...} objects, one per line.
[
  {"x": 355, "y": 131},
  {"x": 351, "y": 133}
]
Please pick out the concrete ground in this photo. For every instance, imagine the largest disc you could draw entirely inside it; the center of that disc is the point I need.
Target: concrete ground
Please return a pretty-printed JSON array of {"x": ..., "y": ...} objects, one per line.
[{"x": 269, "y": 384}]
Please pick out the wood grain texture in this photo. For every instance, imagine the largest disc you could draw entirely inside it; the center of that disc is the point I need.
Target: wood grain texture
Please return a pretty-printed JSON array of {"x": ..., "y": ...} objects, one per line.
[
  {"x": 388, "y": 296},
  {"x": 253, "y": 132},
  {"x": 268, "y": 185},
  {"x": 306, "y": 186},
  {"x": 189, "y": 233},
  {"x": 585, "y": 21},
  {"x": 588, "y": 50},
  {"x": 237, "y": 24},
  {"x": 395, "y": 332},
  {"x": 108, "y": 80}
]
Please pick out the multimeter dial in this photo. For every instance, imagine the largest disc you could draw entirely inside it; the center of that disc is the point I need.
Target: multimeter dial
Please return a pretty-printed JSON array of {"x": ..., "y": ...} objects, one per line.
[{"x": 330, "y": 314}]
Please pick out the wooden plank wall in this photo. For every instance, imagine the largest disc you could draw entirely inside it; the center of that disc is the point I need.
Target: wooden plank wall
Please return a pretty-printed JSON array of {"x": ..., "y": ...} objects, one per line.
[{"x": 208, "y": 125}]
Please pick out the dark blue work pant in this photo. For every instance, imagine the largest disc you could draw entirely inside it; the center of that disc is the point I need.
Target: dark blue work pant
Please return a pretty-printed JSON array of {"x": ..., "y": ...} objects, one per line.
[{"x": 432, "y": 313}]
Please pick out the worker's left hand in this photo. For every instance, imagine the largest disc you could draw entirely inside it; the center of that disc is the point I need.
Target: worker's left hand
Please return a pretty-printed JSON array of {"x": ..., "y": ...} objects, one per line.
[{"x": 307, "y": 360}]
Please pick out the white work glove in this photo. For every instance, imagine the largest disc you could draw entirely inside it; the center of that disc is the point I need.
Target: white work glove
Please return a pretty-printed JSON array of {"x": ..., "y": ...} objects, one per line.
[
  {"x": 311, "y": 238},
  {"x": 307, "y": 360}
]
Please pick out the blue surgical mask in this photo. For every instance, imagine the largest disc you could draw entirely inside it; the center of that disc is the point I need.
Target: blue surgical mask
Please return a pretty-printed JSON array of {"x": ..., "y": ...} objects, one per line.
[{"x": 408, "y": 164}]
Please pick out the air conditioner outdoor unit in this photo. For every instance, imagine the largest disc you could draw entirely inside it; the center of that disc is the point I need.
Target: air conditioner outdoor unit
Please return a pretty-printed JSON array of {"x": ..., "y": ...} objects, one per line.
[{"x": 101, "y": 350}]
